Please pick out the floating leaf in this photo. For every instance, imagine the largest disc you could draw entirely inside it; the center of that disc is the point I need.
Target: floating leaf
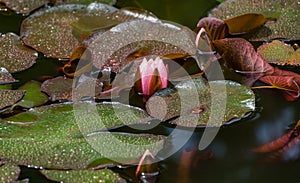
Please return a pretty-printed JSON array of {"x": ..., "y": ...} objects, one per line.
[
  {"x": 285, "y": 14},
  {"x": 59, "y": 88},
  {"x": 285, "y": 83},
  {"x": 279, "y": 53},
  {"x": 215, "y": 28},
  {"x": 239, "y": 100},
  {"x": 10, "y": 97},
  {"x": 244, "y": 23},
  {"x": 14, "y": 56},
  {"x": 86, "y": 25},
  {"x": 50, "y": 32},
  {"x": 241, "y": 56},
  {"x": 33, "y": 96},
  {"x": 5, "y": 76},
  {"x": 54, "y": 140},
  {"x": 86, "y": 176},
  {"x": 9, "y": 173},
  {"x": 114, "y": 48},
  {"x": 85, "y": 2},
  {"x": 24, "y": 6}
]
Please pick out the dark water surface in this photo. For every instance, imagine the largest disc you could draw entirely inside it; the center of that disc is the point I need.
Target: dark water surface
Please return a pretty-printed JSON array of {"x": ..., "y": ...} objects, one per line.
[{"x": 229, "y": 159}]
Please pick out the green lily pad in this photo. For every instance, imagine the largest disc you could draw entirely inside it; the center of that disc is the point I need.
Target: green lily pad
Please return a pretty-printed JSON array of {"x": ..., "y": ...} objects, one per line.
[
  {"x": 9, "y": 173},
  {"x": 61, "y": 88},
  {"x": 10, "y": 97},
  {"x": 6, "y": 77},
  {"x": 86, "y": 25},
  {"x": 86, "y": 176},
  {"x": 285, "y": 13},
  {"x": 24, "y": 6},
  {"x": 113, "y": 49},
  {"x": 14, "y": 55},
  {"x": 279, "y": 53},
  {"x": 229, "y": 98},
  {"x": 33, "y": 96},
  {"x": 54, "y": 140},
  {"x": 85, "y": 2},
  {"x": 50, "y": 32}
]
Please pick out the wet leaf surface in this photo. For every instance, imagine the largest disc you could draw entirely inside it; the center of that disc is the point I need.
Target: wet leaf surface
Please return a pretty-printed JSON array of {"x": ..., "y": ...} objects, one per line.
[
  {"x": 54, "y": 140},
  {"x": 10, "y": 97},
  {"x": 245, "y": 23},
  {"x": 241, "y": 56},
  {"x": 59, "y": 88},
  {"x": 285, "y": 13},
  {"x": 215, "y": 28},
  {"x": 239, "y": 100},
  {"x": 114, "y": 48},
  {"x": 6, "y": 77},
  {"x": 286, "y": 83},
  {"x": 86, "y": 25},
  {"x": 279, "y": 53},
  {"x": 14, "y": 55},
  {"x": 25, "y": 6},
  {"x": 86, "y": 176},
  {"x": 9, "y": 173},
  {"x": 50, "y": 32},
  {"x": 33, "y": 96}
]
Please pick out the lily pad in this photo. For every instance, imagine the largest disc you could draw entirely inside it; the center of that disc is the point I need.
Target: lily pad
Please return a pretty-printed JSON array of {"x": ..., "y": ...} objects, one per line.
[
  {"x": 6, "y": 77},
  {"x": 114, "y": 48},
  {"x": 54, "y": 140},
  {"x": 285, "y": 13},
  {"x": 50, "y": 32},
  {"x": 86, "y": 25},
  {"x": 61, "y": 88},
  {"x": 14, "y": 55},
  {"x": 33, "y": 96},
  {"x": 9, "y": 173},
  {"x": 239, "y": 100},
  {"x": 279, "y": 53},
  {"x": 85, "y": 2},
  {"x": 24, "y": 6},
  {"x": 86, "y": 176},
  {"x": 10, "y": 97}
]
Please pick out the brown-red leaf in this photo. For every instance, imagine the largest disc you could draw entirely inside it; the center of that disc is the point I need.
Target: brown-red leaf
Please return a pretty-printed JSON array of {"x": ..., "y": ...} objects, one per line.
[
  {"x": 279, "y": 148},
  {"x": 214, "y": 27},
  {"x": 240, "y": 55}
]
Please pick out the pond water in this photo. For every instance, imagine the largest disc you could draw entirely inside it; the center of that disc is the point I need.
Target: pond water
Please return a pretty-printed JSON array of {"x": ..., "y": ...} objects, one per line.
[{"x": 229, "y": 158}]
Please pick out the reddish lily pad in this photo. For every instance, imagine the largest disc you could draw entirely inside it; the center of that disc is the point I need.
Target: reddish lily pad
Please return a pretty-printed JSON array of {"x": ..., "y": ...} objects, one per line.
[
  {"x": 237, "y": 100},
  {"x": 117, "y": 47},
  {"x": 279, "y": 53},
  {"x": 285, "y": 14},
  {"x": 14, "y": 55},
  {"x": 33, "y": 96},
  {"x": 86, "y": 176},
  {"x": 6, "y": 77},
  {"x": 10, "y": 97},
  {"x": 9, "y": 173}
]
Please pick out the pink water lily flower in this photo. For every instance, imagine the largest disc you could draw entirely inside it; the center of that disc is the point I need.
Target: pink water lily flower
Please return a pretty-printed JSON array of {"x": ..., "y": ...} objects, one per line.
[{"x": 153, "y": 75}]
